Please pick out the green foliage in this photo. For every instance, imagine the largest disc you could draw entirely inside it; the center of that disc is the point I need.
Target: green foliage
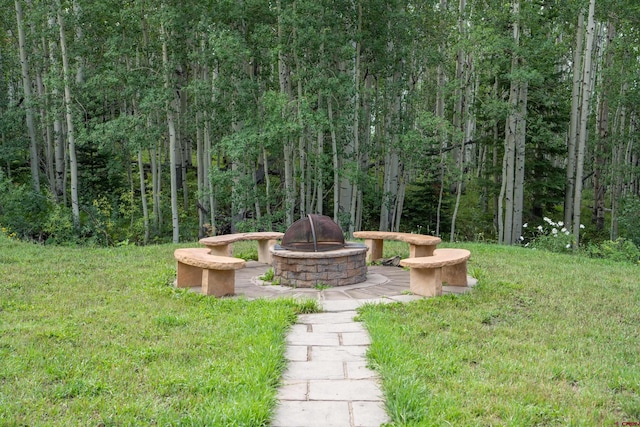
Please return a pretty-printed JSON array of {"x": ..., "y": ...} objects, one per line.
[
  {"x": 554, "y": 237},
  {"x": 628, "y": 219},
  {"x": 103, "y": 170},
  {"x": 227, "y": 62},
  {"x": 475, "y": 218},
  {"x": 22, "y": 210},
  {"x": 59, "y": 227},
  {"x": 13, "y": 142},
  {"x": 304, "y": 306},
  {"x": 550, "y": 236},
  {"x": 34, "y": 216},
  {"x": 266, "y": 222},
  {"x": 616, "y": 250},
  {"x": 420, "y": 209},
  {"x": 268, "y": 275}
]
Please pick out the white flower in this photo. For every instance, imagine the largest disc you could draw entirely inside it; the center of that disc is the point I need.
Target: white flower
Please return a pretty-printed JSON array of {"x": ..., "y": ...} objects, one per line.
[
  {"x": 564, "y": 230},
  {"x": 567, "y": 232},
  {"x": 560, "y": 223},
  {"x": 540, "y": 228},
  {"x": 581, "y": 225},
  {"x": 568, "y": 245},
  {"x": 521, "y": 238},
  {"x": 525, "y": 225},
  {"x": 554, "y": 231},
  {"x": 547, "y": 220}
]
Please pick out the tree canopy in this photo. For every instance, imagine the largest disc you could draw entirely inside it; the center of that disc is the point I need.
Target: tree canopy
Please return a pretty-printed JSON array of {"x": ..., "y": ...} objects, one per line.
[{"x": 140, "y": 121}]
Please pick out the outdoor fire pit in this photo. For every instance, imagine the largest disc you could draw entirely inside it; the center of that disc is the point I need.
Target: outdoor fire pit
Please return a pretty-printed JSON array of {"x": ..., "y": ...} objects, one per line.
[{"x": 313, "y": 252}]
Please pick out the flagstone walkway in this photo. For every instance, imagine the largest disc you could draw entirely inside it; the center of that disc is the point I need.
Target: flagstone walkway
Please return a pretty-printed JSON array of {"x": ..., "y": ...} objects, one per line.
[{"x": 327, "y": 382}]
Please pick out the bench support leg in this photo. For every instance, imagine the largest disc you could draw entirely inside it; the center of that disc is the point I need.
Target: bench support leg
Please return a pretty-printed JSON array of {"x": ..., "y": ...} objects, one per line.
[
  {"x": 218, "y": 282},
  {"x": 222, "y": 250},
  {"x": 375, "y": 249},
  {"x": 264, "y": 256},
  {"x": 455, "y": 275},
  {"x": 188, "y": 276},
  {"x": 416, "y": 251},
  {"x": 425, "y": 281}
]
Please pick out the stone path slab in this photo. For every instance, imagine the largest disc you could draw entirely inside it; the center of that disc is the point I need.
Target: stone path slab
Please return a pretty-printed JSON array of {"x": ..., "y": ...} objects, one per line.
[{"x": 327, "y": 382}]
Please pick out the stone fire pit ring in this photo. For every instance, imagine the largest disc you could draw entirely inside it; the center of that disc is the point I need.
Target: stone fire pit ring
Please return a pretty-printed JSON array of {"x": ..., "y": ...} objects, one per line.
[{"x": 302, "y": 269}]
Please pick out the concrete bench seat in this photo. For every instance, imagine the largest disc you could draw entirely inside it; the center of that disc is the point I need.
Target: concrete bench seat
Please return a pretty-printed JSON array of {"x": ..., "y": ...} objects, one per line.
[
  {"x": 427, "y": 273},
  {"x": 223, "y": 245},
  {"x": 216, "y": 274},
  {"x": 420, "y": 245}
]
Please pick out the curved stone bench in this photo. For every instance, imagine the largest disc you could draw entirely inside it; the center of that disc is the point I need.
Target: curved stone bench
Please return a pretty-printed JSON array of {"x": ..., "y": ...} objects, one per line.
[
  {"x": 445, "y": 265},
  {"x": 420, "y": 245},
  {"x": 216, "y": 274},
  {"x": 223, "y": 245}
]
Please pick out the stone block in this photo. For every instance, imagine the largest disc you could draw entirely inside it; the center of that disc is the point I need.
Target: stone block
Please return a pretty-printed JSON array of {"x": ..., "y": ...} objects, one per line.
[
  {"x": 425, "y": 281},
  {"x": 188, "y": 276},
  {"x": 218, "y": 282}
]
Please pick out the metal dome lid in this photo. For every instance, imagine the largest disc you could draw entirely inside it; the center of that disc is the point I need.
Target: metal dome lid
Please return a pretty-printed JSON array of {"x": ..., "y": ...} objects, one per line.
[{"x": 315, "y": 233}]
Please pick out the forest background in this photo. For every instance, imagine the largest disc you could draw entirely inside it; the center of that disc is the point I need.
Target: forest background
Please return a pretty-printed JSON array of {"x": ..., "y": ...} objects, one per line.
[{"x": 138, "y": 121}]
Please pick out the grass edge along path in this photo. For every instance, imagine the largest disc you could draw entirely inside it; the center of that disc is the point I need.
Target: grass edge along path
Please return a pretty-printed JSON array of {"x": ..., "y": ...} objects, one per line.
[
  {"x": 98, "y": 336},
  {"x": 544, "y": 339}
]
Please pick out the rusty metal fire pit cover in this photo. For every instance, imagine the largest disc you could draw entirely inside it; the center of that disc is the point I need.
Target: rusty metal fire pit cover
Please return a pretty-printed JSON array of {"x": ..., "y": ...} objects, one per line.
[{"x": 316, "y": 233}]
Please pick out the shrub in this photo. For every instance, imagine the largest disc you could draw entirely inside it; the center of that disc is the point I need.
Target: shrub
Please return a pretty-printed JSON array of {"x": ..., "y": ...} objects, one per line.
[
  {"x": 22, "y": 210},
  {"x": 616, "y": 250},
  {"x": 59, "y": 227},
  {"x": 552, "y": 236},
  {"x": 628, "y": 219}
]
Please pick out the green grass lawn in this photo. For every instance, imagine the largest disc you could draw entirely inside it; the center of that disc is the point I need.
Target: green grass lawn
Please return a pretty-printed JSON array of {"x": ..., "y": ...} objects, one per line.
[
  {"x": 544, "y": 339},
  {"x": 100, "y": 337}
]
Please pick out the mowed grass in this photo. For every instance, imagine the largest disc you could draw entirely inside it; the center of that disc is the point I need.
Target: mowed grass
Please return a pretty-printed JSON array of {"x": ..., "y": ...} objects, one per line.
[
  {"x": 100, "y": 337},
  {"x": 544, "y": 339}
]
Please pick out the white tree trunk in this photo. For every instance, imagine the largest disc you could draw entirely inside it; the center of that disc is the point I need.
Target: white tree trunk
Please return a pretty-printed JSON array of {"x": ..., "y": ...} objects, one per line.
[
  {"x": 582, "y": 135},
  {"x": 73, "y": 162},
  {"x": 201, "y": 171},
  {"x": 170, "y": 107},
  {"x": 618, "y": 165},
  {"x": 26, "y": 84},
  {"x": 143, "y": 197},
  {"x": 512, "y": 134},
  {"x": 58, "y": 142},
  {"x": 353, "y": 209},
  {"x": 520, "y": 143},
  {"x": 576, "y": 93},
  {"x": 285, "y": 90},
  {"x": 267, "y": 187},
  {"x": 458, "y": 114},
  {"x": 302, "y": 152},
  {"x": 209, "y": 156},
  {"x": 336, "y": 163},
  {"x": 318, "y": 166}
]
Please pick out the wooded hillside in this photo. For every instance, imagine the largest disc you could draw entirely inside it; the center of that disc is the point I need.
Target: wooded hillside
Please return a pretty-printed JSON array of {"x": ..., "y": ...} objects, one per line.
[{"x": 140, "y": 120}]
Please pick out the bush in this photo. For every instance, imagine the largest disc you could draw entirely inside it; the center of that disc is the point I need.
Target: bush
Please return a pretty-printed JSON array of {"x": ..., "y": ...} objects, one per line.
[
  {"x": 59, "y": 227},
  {"x": 629, "y": 226},
  {"x": 616, "y": 250},
  {"x": 22, "y": 210},
  {"x": 552, "y": 236}
]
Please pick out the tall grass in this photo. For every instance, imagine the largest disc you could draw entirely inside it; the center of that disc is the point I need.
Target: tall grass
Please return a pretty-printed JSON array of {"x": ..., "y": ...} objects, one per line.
[
  {"x": 544, "y": 339},
  {"x": 100, "y": 337}
]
